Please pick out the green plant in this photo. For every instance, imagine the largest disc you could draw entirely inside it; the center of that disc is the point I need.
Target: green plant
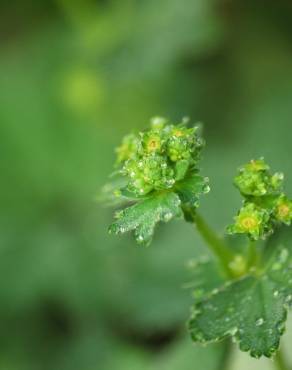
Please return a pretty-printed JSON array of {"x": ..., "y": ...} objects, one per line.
[{"x": 246, "y": 293}]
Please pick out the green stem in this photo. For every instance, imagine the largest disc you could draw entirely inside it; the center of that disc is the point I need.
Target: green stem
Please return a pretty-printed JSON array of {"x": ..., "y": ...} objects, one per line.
[
  {"x": 217, "y": 246},
  {"x": 224, "y": 362},
  {"x": 252, "y": 255},
  {"x": 280, "y": 362}
]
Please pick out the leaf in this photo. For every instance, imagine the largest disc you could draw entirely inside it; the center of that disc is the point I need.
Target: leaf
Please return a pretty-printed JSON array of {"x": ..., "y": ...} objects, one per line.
[
  {"x": 205, "y": 276},
  {"x": 253, "y": 309},
  {"x": 181, "y": 168},
  {"x": 191, "y": 188},
  {"x": 143, "y": 216},
  {"x": 115, "y": 193}
]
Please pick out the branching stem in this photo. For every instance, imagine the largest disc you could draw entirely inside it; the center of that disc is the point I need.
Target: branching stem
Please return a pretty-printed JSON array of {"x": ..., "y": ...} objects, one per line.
[{"x": 215, "y": 244}]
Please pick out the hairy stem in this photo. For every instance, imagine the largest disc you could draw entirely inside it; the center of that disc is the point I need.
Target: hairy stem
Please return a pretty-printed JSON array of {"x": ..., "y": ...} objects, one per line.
[
  {"x": 280, "y": 361},
  {"x": 215, "y": 244}
]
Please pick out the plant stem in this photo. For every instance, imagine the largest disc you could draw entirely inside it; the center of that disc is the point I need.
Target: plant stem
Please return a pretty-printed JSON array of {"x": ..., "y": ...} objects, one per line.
[
  {"x": 217, "y": 246},
  {"x": 252, "y": 254},
  {"x": 280, "y": 362},
  {"x": 224, "y": 362}
]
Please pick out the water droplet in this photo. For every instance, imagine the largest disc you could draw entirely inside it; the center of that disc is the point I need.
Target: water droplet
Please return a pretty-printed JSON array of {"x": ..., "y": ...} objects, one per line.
[
  {"x": 168, "y": 216},
  {"x": 206, "y": 189},
  {"x": 140, "y": 238},
  {"x": 259, "y": 322},
  {"x": 170, "y": 182},
  {"x": 276, "y": 293},
  {"x": 288, "y": 298},
  {"x": 132, "y": 174},
  {"x": 185, "y": 120},
  {"x": 281, "y": 327}
]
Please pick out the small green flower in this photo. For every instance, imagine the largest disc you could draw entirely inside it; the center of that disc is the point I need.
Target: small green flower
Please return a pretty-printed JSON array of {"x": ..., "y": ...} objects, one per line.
[
  {"x": 182, "y": 144},
  {"x": 277, "y": 181},
  {"x": 265, "y": 203},
  {"x": 257, "y": 165},
  {"x": 127, "y": 149},
  {"x": 159, "y": 157},
  {"x": 283, "y": 210},
  {"x": 152, "y": 142},
  {"x": 255, "y": 179},
  {"x": 252, "y": 221},
  {"x": 251, "y": 183}
]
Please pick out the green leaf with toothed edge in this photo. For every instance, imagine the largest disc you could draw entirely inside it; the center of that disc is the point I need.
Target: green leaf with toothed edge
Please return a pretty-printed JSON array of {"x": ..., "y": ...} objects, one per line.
[
  {"x": 205, "y": 276},
  {"x": 252, "y": 309},
  {"x": 146, "y": 214},
  {"x": 191, "y": 188}
]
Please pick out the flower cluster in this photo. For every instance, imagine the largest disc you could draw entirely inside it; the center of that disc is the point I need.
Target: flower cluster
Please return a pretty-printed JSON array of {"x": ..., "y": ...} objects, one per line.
[
  {"x": 265, "y": 205},
  {"x": 157, "y": 159}
]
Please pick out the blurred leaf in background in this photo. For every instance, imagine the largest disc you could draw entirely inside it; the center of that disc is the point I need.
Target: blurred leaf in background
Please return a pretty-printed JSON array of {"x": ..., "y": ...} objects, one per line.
[{"x": 75, "y": 76}]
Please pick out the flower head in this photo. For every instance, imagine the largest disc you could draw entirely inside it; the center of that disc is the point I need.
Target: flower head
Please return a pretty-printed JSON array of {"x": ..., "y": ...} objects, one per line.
[
  {"x": 157, "y": 158},
  {"x": 283, "y": 210},
  {"x": 265, "y": 204},
  {"x": 250, "y": 220},
  {"x": 255, "y": 179}
]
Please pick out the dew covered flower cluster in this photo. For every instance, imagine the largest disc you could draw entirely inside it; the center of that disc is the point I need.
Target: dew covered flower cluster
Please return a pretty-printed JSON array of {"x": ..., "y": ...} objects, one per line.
[
  {"x": 265, "y": 204},
  {"x": 158, "y": 158}
]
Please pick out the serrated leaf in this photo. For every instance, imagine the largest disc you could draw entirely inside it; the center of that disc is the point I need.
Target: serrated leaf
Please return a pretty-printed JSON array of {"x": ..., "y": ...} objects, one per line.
[
  {"x": 115, "y": 193},
  {"x": 205, "y": 277},
  {"x": 253, "y": 309},
  {"x": 143, "y": 216},
  {"x": 191, "y": 188}
]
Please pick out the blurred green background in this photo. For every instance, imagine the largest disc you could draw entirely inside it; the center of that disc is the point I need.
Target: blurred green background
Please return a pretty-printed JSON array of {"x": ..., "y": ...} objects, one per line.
[{"x": 75, "y": 76}]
